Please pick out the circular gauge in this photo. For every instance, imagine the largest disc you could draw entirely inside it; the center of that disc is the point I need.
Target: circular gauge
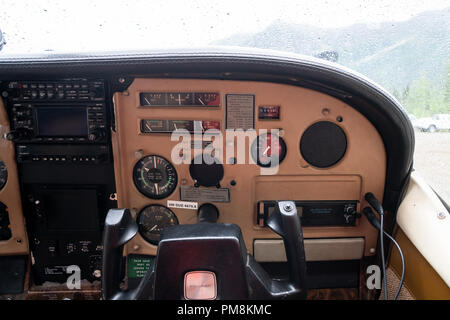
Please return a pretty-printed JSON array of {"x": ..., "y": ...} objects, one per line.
[
  {"x": 3, "y": 174},
  {"x": 266, "y": 148},
  {"x": 204, "y": 174},
  {"x": 152, "y": 220},
  {"x": 155, "y": 177}
]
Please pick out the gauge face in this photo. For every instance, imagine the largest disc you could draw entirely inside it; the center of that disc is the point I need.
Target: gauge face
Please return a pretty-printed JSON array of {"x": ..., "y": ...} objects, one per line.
[
  {"x": 153, "y": 99},
  {"x": 3, "y": 174},
  {"x": 267, "y": 148},
  {"x": 155, "y": 177},
  {"x": 207, "y": 99},
  {"x": 152, "y": 220},
  {"x": 179, "y": 99}
]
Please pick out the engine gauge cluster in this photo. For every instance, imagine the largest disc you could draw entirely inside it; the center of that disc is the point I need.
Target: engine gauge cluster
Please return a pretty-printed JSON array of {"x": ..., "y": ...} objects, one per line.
[
  {"x": 179, "y": 99},
  {"x": 3, "y": 174},
  {"x": 155, "y": 177},
  {"x": 152, "y": 220}
]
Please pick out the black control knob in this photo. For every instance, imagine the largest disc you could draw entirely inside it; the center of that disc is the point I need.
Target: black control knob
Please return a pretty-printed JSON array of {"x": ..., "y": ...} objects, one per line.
[
  {"x": 96, "y": 135},
  {"x": 208, "y": 213},
  {"x": 18, "y": 134}
]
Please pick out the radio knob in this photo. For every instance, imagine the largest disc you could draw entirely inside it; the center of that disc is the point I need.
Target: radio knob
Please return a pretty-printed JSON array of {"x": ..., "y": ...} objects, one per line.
[
  {"x": 96, "y": 135},
  {"x": 18, "y": 134}
]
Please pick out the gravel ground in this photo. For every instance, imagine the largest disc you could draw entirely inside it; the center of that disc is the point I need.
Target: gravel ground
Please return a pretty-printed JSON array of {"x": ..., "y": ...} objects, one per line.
[{"x": 432, "y": 161}]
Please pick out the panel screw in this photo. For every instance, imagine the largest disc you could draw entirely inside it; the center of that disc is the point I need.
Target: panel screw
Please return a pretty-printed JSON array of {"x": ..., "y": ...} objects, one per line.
[
  {"x": 121, "y": 80},
  {"x": 97, "y": 273},
  {"x": 372, "y": 250},
  {"x": 138, "y": 154},
  {"x": 441, "y": 215},
  {"x": 287, "y": 207}
]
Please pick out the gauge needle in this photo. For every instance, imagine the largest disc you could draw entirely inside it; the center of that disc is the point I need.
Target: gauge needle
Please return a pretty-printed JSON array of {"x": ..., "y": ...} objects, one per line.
[
  {"x": 156, "y": 188},
  {"x": 146, "y": 100},
  {"x": 265, "y": 151},
  {"x": 199, "y": 99},
  {"x": 153, "y": 228}
]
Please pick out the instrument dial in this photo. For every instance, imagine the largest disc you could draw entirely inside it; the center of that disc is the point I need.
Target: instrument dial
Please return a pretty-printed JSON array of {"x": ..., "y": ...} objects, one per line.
[
  {"x": 3, "y": 174},
  {"x": 179, "y": 99},
  {"x": 153, "y": 99},
  {"x": 155, "y": 177},
  {"x": 152, "y": 220},
  {"x": 266, "y": 148},
  {"x": 207, "y": 99}
]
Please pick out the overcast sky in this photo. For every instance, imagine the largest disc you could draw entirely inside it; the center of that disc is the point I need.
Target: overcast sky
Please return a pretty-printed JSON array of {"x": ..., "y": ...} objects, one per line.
[{"x": 86, "y": 25}]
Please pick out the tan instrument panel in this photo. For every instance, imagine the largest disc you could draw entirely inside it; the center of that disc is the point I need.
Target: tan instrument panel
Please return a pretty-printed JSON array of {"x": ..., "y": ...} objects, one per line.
[
  {"x": 362, "y": 169},
  {"x": 10, "y": 194}
]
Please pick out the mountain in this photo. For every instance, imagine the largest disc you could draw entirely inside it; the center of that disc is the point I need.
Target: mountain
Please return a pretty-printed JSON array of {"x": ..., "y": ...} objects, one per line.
[{"x": 392, "y": 53}]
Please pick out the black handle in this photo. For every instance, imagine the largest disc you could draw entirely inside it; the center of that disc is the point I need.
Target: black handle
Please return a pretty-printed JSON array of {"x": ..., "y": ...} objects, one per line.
[
  {"x": 286, "y": 222},
  {"x": 119, "y": 229}
]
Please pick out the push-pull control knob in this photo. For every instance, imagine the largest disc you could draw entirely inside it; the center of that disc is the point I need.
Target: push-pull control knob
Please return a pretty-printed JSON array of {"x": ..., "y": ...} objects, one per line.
[{"x": 208, "y": 213}]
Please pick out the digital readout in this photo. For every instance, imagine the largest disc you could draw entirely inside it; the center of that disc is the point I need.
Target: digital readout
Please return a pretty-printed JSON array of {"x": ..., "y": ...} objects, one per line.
[{"x": 269, "y": 113}]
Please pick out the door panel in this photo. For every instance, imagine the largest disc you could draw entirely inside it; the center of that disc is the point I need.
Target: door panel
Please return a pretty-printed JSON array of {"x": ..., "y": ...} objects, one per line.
[{"x": 423, "y": 234}]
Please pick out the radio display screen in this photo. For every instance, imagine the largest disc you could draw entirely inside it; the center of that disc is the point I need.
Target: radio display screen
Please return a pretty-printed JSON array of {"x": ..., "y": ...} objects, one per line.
[{"x": 60, "y": 121}]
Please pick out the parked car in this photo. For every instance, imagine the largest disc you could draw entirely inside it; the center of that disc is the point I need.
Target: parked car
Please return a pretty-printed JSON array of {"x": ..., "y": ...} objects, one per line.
[{"x": 432, "y": 124}]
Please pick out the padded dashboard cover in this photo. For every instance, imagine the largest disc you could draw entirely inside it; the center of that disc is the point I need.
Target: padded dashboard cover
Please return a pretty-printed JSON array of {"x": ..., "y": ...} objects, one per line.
[{"x": 323, "y": 144}]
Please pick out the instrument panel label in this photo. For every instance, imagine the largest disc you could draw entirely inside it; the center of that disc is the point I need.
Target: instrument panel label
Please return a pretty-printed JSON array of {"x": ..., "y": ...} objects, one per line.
[
  {"x": 182, "y": 204},
  {"x": 188, "y": 193},
  {"x": 240, "y": 111},
  {"x": 138, "y": 265}
]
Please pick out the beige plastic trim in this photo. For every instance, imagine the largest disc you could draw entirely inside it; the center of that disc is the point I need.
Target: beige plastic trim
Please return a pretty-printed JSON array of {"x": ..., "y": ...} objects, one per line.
[
  {"x": 10, "y": 194},
  {"x": 315, "y": 249},
  {"x": 426, "y": 222}
]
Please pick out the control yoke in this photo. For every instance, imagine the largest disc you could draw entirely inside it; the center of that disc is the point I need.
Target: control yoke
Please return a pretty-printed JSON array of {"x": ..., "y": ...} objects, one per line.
[
  {"x": 286, "y": 222},
  {"x": 203, "y": 242},
  {"x": 119, "y": 229}
]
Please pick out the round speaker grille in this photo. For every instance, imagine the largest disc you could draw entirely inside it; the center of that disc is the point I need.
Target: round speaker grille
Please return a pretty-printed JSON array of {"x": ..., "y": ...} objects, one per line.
[{"x": 323, "y": 144}]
